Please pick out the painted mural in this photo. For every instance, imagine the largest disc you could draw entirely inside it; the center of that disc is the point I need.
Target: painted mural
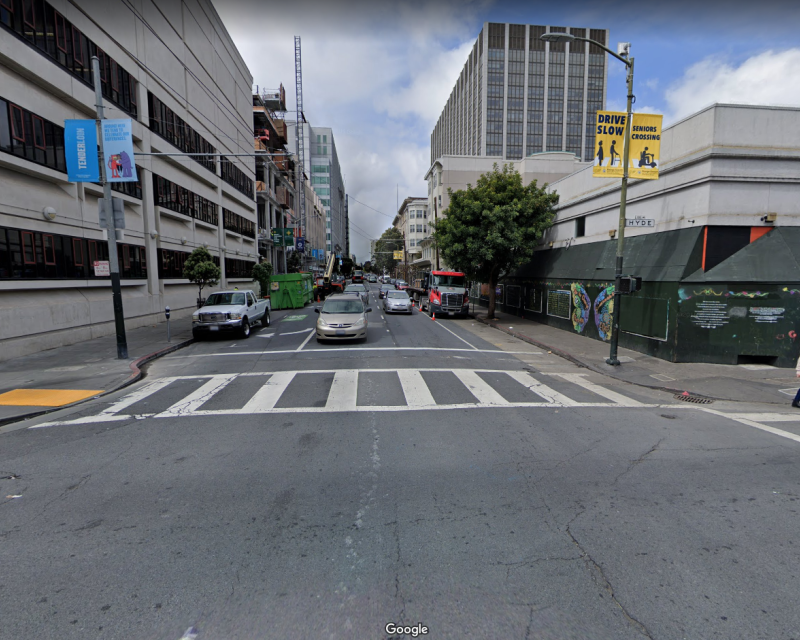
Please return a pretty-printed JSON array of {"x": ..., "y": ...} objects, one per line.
[
  {"x": 603, "y": 309},
  {"x": 581, "y": 306}
]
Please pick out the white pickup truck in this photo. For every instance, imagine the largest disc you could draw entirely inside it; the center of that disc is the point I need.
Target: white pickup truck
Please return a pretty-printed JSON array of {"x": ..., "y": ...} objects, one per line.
[{"x": 230, "y": 311}]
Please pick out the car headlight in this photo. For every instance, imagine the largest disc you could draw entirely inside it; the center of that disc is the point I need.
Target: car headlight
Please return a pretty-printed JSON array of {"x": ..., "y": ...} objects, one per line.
[
  {"x": 235, "y": 316},
  {"x": 321, "y": 322},
  {"x": 195, "y": 318},
  {"x": 360, "y": 323}
]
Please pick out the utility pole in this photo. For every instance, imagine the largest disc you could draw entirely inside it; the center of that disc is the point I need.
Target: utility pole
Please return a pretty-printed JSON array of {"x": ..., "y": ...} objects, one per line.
[
  {"x": 299, "y": 132},
  {"x": 436, "y": 219},
  {"x": 113, "y": 259}
]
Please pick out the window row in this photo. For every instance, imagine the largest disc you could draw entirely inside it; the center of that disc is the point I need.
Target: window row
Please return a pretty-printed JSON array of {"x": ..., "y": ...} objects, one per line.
[
  {"x": 235, "y": 177},
  {"x": 179, "y": 199},
  {"x": 321, "y": 168},
  {"x": 31, "y": 137},
  {"x": 41, "y": 26},
  {"x": 170, "y": 126},
  {"x": 170, "y": 263},
  {"x": 235, "y": 268},
  {"x": 32, "y": 255},
  {"x": 238, "y": 224},
  {"x": 320, "y": 180}
]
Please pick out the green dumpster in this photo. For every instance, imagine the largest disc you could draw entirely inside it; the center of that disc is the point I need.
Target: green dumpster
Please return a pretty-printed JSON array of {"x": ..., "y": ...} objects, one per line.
[{"x": 291, "y": 290}]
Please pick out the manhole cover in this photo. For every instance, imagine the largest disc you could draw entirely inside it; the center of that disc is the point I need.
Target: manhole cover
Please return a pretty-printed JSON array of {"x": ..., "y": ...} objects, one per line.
[{"x": 692, "y": 399}]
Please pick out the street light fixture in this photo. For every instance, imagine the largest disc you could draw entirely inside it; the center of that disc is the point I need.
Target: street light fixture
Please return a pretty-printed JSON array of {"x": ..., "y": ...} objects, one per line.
[{"x": 624, "y": 50}]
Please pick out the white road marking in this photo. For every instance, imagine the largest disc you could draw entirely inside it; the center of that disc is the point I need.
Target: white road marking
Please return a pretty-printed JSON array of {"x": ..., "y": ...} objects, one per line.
[
  {"x": 294, "y": 333},
  {"x": 479, "y": 388},
  {"x": 459, "y": 337},
  {"x": 769, "y": 417},
  {"x": 338, "y": 349},
  {"x": 580, "y": 380},
  {"x": 264, "y": 335},
  {"x": 140, "y": 394},
  {"x": 305, "y": 342},
  {"x": 343, "y": 392},
  {"x": 752, "y": 423},
  {"x": 414, "y": 388},
  {"x": 268, "y": 395},
  {"x": 199, "y": 397},
  {"x": 551, "y": 395}
]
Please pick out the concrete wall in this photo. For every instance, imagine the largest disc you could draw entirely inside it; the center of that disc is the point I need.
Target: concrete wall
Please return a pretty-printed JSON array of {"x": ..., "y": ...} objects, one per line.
[{"x": 189, "y": 62}]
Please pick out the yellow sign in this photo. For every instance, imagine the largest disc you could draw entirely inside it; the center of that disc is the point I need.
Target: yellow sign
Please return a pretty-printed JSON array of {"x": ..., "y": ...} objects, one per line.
[
  {"x": 398, "y": 255},
  {"x": 645, "y": 153},
  {"x": 609, "y": 145}
]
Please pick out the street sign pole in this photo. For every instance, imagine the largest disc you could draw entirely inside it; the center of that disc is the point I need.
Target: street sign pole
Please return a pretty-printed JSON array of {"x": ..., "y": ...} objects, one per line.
[{"x": 116, "y": 289}]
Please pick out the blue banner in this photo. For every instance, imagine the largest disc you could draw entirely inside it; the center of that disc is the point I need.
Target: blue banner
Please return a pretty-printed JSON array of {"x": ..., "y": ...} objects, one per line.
[
  {"x": 300, "y": 243},
  {"x": 118, "y": 151},
  {"x": 80, "y": 148}
]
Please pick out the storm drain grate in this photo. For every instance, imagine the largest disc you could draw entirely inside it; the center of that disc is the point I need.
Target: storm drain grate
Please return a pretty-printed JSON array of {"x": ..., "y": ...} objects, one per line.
[{"x": 685, "y": 397}]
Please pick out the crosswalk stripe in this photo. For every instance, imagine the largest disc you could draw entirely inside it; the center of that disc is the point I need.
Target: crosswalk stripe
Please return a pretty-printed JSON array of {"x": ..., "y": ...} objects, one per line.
[
  {"x": 344, "y": 391},
  {"x": 268, "y": 395},
  {"x": 199, "y": 397},
  {"x": 542, "y": 390},
  {"x": 580, "y": 379},
  {"x": 478, "y": 388},
  {"x": 414, "y": 388},
  {"x": 140, "y": 394}
]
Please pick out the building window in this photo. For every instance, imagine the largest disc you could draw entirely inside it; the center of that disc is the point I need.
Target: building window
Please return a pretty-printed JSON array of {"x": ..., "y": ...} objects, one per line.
[
  {"x": 235, "y": 177},
  {"x": 179, "y": 199},
  {"x": 31, "y": 137},
  {"x": 238, "y": 224},
  {"x": 580, "y": 227},
  {"x": 165, "y": 122}
]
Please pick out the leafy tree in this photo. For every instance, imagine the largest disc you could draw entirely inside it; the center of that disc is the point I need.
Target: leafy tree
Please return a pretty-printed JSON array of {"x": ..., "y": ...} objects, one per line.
[
  {"x": 200, "y": 269},
  {"x": 262, "y": 273},
  {"x": 294, "y": 263},
  {"x": 492, "y": 229},
  {"x": 390, "y": 240},
  {"x": 347, "y": 266}
]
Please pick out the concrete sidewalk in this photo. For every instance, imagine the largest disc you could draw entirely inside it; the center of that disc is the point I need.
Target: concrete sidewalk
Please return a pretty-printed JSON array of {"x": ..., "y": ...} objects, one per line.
[
  {"x": 745, "y": 383},
  {"x": 49, "y": 380}
]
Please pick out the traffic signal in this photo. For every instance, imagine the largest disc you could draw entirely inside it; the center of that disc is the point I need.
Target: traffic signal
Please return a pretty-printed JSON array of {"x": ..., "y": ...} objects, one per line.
[{"x": 630, "y": 284}]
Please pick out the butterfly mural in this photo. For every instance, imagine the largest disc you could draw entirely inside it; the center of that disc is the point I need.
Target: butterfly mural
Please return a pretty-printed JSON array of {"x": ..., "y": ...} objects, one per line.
[
  {"x": 581, "y": 306},
  {"x": 603, "y": 310}
]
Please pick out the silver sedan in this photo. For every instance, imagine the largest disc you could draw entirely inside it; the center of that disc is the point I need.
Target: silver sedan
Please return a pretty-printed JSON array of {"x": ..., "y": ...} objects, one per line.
[{"x": 397, "y": 301}]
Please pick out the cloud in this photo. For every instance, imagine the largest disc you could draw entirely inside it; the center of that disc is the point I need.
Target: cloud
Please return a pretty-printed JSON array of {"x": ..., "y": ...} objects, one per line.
[
  {"x": 769, "y": 78},
  {"x": 377, "y": 72}
]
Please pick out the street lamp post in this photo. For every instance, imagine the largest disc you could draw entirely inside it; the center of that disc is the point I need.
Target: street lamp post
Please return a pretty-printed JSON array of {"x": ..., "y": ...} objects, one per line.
[{"x": 623, "y": 194}]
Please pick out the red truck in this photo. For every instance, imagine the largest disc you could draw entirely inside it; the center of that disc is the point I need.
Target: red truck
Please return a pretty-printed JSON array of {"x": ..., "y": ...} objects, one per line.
[{"x": 442, "y": 292}]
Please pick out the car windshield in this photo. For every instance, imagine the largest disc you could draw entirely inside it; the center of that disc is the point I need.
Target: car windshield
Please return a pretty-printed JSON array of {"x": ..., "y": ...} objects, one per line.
[
  {"x": 355, "y": 287},
  {"x": 343, "y": 305},
  {"x": 449, "y": 281},
  {"x": 225, "y": 299},
  {"x": 397, "y": 294}
]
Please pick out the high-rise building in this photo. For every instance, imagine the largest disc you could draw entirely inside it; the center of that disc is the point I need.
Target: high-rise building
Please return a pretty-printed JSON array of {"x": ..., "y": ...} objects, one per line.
[
  {"x": 323, "y": 171},
  {"x": 518, "y": 95}
]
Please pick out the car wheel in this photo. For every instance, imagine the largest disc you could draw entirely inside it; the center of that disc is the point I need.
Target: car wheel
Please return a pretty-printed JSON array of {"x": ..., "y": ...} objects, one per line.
[
  {"x": 244, "y": 332},
  {"x": 266, "y": 319}
]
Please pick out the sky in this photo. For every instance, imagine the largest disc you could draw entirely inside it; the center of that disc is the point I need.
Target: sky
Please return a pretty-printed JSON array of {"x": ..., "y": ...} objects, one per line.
[{"x": 379, "y": 72}]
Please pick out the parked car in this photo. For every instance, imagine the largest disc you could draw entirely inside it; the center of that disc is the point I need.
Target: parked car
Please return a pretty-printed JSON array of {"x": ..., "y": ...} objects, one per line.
[
  {"x": 397, "y": 301},
  {"x": 360, "y": 289},
  {"x": 392, "y": 281},
  {"x": 401, "y": 285},
  {"x": 230, "y": 311},
  {"x": 384, "y": 289},
  {"x": 342, "y": 317}
]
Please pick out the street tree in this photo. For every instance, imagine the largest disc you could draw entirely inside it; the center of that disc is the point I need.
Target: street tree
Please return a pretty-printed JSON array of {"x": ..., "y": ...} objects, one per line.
[
  {"x": 391, "y": 240},
  {"x": 200, "y": 269},
  {"x": 294, "y": 263},
  {"x": 492, "y": 229},
  {"x": 262, "y": 273}
]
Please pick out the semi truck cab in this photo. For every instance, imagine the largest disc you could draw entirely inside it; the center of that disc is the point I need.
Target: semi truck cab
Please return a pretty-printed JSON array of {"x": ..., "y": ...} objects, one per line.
[{"x": 443, "y": 292}]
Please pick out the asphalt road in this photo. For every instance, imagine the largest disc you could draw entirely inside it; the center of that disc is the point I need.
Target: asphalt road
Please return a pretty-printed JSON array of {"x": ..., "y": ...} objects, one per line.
[{"x": 440, "y": 474}]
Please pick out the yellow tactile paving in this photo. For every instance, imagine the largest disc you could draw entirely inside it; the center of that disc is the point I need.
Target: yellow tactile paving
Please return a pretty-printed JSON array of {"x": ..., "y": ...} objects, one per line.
[{"x": 44, "y": 397}]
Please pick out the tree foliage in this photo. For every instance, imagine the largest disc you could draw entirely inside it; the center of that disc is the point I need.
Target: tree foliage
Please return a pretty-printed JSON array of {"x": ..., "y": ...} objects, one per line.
[
  {"x": 262, "y": 273},
  {"x": 390, "y": 240},
  {"x": 200, "y": 269},
  {"x": 294, "y": 262},
  {"x": 493, "y": 228}
]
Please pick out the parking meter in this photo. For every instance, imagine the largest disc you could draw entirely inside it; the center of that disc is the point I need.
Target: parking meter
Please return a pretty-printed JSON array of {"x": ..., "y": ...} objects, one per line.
[{"x": 169, "y": 335}]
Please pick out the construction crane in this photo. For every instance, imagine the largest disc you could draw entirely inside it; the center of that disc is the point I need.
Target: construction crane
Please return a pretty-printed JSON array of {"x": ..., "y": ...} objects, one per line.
[{"x": 299, "y": 137}]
